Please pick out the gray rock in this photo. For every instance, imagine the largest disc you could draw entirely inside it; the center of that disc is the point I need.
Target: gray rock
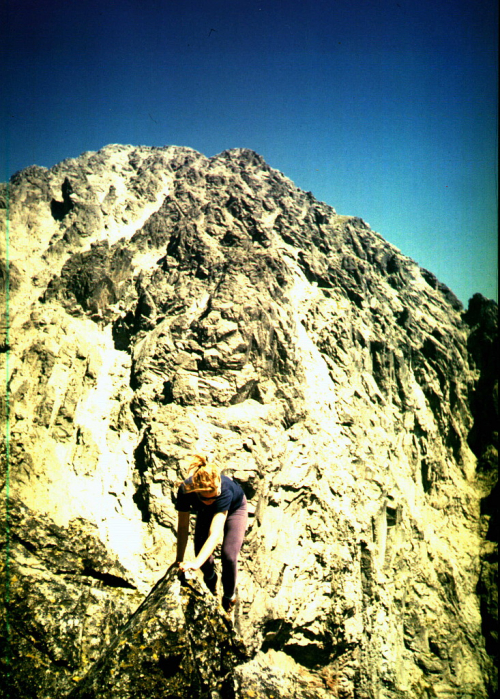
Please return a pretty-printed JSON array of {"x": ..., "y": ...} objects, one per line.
[
  {"x": 178, "y": 643},
  {"x": 211, "y": 306}
]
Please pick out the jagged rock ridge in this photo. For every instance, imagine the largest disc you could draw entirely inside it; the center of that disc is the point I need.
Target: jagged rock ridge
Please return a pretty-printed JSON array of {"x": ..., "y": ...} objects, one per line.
[{"x": 163, "y": 303}]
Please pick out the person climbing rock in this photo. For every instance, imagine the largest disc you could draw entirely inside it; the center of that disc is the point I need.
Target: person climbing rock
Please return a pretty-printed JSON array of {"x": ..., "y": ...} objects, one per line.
[{"x": 221, "y": 510}]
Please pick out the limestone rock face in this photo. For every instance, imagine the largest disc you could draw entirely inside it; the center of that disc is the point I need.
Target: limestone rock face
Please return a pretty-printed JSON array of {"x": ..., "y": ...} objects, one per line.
[{"x": 161, "y": 303}]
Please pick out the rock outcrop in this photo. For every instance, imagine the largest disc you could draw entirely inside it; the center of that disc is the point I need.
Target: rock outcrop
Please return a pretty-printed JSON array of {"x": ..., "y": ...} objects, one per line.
[
  {"x": 160, "y": 303},
  {"x": 176, "y": 644}
]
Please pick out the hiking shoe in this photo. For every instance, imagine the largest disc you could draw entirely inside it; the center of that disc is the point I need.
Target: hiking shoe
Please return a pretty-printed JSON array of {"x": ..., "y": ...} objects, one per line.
[
  {"x": 211, "y": 583},
  {"x": 228, "y": 603}
]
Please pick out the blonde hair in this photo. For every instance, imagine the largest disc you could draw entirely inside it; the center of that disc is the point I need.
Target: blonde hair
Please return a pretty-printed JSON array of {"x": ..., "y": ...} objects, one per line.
[{"x": 205, "y": 477}]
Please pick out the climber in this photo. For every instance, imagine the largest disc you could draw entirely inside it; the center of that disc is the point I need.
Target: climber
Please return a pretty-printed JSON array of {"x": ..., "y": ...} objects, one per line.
[{"x": 221, "y": 510}]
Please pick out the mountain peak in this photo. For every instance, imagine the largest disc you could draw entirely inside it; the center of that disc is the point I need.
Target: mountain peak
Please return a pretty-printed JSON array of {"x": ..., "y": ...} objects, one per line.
[{"x": 167, "y": 304}]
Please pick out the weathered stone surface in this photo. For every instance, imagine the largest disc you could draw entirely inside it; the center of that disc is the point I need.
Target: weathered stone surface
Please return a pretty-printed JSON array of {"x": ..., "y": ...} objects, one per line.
[
  {"x": 178, "y": 643},
  {"x": 165, "y": 303},
  {"x": 65, "y": 597},
  {"x": 482, "y": 317}
]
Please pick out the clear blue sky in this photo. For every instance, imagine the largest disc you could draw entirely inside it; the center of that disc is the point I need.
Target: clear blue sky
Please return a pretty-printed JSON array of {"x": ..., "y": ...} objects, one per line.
[{"x": 384, "y": 109}]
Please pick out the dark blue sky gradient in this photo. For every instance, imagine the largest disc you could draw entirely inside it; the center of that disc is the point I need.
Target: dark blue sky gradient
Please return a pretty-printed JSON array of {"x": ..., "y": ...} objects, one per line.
[{"x": 385, "y": 110}]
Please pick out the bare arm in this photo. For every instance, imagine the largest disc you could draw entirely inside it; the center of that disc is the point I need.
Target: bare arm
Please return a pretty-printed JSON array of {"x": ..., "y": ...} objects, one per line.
[
  {"x": 182, "y": 534},
  {"x": 215, "y": 533}
]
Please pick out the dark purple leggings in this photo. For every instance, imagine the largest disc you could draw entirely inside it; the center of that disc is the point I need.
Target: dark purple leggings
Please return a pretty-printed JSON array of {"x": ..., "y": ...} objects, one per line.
[{"x": 234, "y": 531}]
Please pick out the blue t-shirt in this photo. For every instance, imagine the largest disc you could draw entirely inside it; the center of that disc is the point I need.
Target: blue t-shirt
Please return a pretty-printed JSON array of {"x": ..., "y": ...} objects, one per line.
[{"x": 230, "y": 498}]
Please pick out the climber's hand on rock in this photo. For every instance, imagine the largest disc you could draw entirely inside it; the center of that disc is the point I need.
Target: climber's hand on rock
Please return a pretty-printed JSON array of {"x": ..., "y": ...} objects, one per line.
[
  {"x": 185, "y": 572},
  {"x": 187, "y": 565}
]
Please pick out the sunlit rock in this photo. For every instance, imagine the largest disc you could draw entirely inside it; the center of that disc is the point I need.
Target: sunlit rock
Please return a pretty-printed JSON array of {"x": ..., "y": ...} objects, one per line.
[
  {"x": 162, "y": 303},
  {"x": 178, "y": 643}
]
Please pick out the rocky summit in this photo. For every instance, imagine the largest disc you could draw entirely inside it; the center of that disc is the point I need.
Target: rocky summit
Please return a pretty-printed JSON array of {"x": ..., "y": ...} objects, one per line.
[{"x": 157, "y": 304}]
